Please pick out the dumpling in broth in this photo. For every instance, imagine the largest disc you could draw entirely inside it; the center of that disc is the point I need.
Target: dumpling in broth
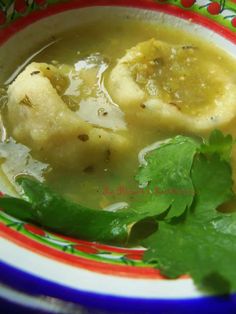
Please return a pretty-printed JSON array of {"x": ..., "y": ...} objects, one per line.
[
  {"x": 168, "y": 86},
  {"x": 39, "y": 118}
]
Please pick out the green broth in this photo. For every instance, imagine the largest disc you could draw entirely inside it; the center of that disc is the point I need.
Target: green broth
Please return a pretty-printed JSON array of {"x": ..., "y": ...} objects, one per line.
[{"x": 100, "y": 186}]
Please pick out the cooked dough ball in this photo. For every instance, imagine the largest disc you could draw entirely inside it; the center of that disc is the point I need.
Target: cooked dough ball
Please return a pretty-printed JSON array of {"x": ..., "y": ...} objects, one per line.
[
  {"x": 39, "y": 118},
  {"x": 169, "y": 86}
]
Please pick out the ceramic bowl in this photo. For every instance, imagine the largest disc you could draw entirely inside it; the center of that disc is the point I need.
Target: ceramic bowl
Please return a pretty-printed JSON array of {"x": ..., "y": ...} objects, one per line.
[{"x": 53, "y": 273}]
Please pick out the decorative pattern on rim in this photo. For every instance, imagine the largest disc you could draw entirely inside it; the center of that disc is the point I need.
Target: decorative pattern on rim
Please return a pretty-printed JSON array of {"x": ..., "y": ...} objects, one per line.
[
  {"x": 221, "y": 11},
  {"x": 88, "y": 255}
]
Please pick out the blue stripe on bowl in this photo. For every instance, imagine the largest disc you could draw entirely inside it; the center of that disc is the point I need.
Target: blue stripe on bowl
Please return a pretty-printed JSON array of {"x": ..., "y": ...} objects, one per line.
[{"x": 33, "y": 285}]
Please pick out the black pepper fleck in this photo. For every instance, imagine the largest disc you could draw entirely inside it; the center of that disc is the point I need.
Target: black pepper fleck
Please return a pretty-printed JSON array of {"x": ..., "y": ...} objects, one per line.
[
  {"x": 186, "y": 47},
  {"x": 175, "y": 105},
  {"x": 83, "y": 137},
  {"x": 89, "y": 169},
  {"x": 107, "y": 155},
  {"x": 34, "y": 72}
]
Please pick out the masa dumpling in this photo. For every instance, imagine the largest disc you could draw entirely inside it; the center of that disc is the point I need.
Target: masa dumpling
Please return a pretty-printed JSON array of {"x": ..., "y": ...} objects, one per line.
[
  {"x": 39, "y": 116},
  {"x": 168, "y": 86}
]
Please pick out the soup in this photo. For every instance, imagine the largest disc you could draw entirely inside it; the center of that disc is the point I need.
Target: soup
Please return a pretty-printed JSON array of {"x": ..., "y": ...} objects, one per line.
[{"x": 121, "y": 86}]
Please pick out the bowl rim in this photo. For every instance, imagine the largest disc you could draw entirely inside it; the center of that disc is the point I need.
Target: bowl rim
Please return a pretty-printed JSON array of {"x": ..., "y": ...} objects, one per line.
[
  {"x": 173, "y": 7},
  {"x": 35, "y": 286}
]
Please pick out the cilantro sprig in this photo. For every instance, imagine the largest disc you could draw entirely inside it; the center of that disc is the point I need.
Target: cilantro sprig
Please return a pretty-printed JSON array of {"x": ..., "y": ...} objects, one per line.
[
  {"x": 167, "y": 176},
  {"x": 187, "y": 181},
  {"x": 202, "y": 243}
]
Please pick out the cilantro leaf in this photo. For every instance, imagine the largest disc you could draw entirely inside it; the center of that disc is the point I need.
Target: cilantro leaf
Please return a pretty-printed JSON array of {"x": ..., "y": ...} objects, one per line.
[
  {"x": 212, "y": 180},
  {"x": 218, "y": 143},
  {"x": 167, "y": 176},
  {"x": 203, "y": 242},
  {"x": 49, "y": 210},
  {"x": 16, "y": 207},
  {"x": 198, "y": 247}
]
